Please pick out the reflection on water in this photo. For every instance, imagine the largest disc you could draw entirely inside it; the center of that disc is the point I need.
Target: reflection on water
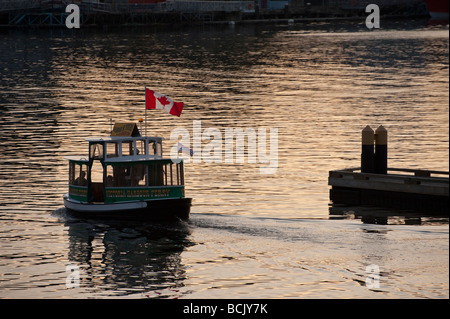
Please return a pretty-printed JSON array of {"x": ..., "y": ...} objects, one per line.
[
  {"x": 385, "y": 216},
  {"x": 118, "y": 259},
  {"x": 225, "y": 256},
  {"x": 250, "y": 234}
]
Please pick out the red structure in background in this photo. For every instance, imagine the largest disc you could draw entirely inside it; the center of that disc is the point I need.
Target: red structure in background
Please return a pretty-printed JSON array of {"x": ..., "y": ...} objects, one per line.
[{"x": 439, "y": 9}]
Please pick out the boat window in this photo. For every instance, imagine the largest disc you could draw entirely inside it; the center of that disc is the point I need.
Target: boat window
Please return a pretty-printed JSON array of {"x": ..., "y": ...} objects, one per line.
[
  {"x": 169, "y": 174},
  {"x": 116, "y": 176},
  {"x": 96, "y": 151},
  {"x": 172, "y": 174},
  {"x": 127, "y": 148},
  {"x": 78, "y": 174},
  {"x": 112, "y": 149},
  {"x": 155, "y": 148},
  {"x": 180, "y": 173},
  {"x": 138, "y": 175},
  {"x": 158, "y": 149},
  {"x": 144, "y": 175},
  {"x": 140, "y": 148},
  {"x": 152, "y": 148},
  {"x": 155, "y": 174},
  {"x": 126, "y": 176},
  {"x": 177, "y": 173}
]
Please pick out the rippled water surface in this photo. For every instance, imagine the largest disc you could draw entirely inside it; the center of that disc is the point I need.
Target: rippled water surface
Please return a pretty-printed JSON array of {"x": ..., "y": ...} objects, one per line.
[{"x": 251, "y": 235}]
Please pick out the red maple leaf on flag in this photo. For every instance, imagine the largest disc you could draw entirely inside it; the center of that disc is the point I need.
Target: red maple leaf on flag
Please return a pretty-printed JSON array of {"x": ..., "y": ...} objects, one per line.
[
  {"x": 155, "y": 100},
  {"x": 163, "y": 100}
]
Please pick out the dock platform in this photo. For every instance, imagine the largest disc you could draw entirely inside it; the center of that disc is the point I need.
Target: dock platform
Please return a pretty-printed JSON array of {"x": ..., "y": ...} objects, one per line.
[{"x": 411, "y": 189}]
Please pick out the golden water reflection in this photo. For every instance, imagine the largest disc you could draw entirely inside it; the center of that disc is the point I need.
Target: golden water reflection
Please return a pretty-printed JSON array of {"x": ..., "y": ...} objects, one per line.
[{"x": 319, "y": 91}]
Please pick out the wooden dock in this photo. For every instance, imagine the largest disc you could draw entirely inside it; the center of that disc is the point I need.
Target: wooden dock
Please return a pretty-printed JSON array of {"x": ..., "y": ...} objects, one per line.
[
  {"x": 418, "y": 190},
  {"x": 375, "y": 183}
]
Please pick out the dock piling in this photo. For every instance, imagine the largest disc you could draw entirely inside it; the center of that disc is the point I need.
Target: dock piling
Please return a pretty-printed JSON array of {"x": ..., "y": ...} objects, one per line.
[
  {"x": 367, "y": 150},
  {"x": 373, "y": 184},
  {"x": 380, "y": 158}
]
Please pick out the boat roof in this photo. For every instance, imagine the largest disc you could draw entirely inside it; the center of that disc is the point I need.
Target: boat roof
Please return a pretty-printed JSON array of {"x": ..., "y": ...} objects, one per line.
[
  {"x": 82, "y": 159},
  {"x": 125, "y": 129},
  {"x": 123, "y": 138},
  {"x": 135, "y": 159},
  {"x": 121, "y": 159}
]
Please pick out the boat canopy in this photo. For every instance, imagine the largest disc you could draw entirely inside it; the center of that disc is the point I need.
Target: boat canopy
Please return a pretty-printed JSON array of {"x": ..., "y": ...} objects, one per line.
[
  {"x": 123, "y": 148},
  {"x": 77, "y": 159}
]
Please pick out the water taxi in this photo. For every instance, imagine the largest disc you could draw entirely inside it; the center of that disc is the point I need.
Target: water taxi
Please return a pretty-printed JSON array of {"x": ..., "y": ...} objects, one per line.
[{"x": 125, "y": 176}]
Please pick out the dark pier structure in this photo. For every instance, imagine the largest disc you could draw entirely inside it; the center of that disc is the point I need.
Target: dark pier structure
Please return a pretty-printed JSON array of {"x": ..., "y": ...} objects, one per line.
[
  {"x": 120, "y": 12},
  {"x": 150, "y": 12},
  {"x": 376, "y": 184}
]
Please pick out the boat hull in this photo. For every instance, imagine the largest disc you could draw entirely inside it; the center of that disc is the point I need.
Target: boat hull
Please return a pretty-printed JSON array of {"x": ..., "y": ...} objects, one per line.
[{"x": 146, "y": 210}]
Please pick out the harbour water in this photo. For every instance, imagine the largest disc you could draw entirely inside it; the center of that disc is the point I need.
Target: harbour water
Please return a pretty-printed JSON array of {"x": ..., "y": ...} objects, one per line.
[{"x": 250, "y": 235}]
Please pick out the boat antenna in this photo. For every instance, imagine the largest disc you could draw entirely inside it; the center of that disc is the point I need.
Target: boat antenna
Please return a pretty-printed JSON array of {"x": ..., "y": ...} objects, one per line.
[{"x": 145, "y": 112}]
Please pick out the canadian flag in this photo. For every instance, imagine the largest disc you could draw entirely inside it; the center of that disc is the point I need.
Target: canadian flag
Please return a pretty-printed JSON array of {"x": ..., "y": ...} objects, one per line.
[{"x": 155, "y": 100}]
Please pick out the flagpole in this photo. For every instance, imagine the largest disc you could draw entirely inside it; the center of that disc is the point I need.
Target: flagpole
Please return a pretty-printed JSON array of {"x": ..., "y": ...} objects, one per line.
[{"x": 145, "y": 111}]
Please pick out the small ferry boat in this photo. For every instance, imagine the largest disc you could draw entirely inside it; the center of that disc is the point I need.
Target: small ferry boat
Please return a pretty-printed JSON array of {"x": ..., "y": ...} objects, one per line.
[{"x": 125, "y": 176}]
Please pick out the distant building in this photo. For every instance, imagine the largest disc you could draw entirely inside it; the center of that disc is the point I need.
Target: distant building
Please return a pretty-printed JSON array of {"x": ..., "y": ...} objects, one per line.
[{"x": 273, "y": 4}]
